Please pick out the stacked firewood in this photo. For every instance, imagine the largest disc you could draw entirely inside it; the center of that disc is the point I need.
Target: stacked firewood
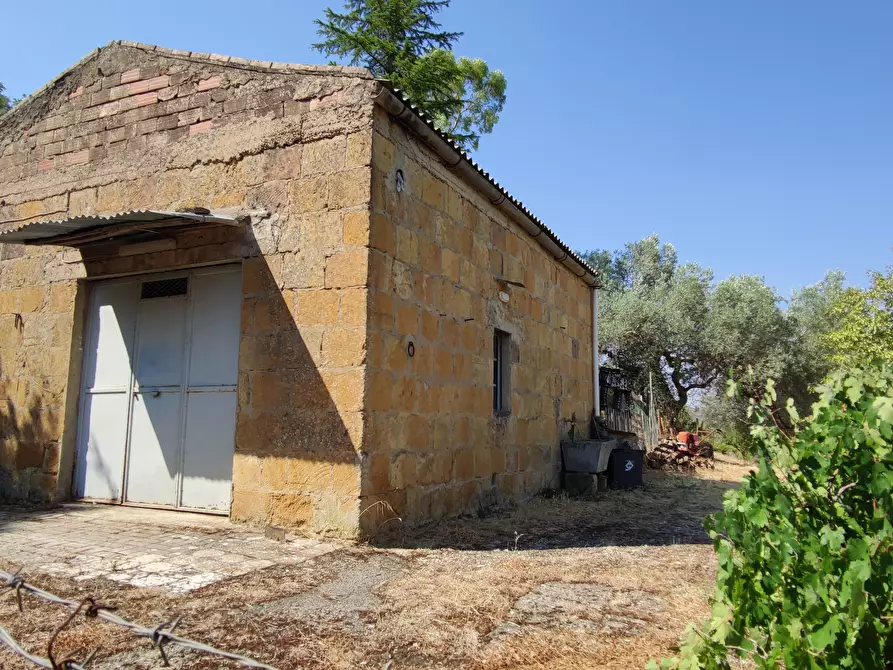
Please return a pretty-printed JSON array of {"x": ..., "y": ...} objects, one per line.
[{"x": 675, "y": 455}]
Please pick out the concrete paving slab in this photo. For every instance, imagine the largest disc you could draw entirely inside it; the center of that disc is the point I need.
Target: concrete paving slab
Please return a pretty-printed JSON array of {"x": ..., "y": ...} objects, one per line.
[{"x": 175, "y": 551}]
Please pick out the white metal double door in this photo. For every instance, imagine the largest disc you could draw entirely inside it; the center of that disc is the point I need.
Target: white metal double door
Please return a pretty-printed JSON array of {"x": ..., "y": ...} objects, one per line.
[{"x": 158, "y": 413}]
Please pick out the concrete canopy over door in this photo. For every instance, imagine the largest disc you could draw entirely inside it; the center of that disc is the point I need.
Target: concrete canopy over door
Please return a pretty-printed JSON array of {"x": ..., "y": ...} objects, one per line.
[{"x": 158, "y": 412}]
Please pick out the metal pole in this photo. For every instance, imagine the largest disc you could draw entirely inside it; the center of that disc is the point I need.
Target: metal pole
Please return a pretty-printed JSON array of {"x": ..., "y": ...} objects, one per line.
[{"x": 652, "y": 413}]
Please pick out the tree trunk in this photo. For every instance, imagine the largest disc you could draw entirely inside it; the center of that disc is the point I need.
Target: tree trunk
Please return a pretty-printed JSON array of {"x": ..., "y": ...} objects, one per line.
[
  {"x": 681, "y": 391},
  {"x": 677, "y": 410}
]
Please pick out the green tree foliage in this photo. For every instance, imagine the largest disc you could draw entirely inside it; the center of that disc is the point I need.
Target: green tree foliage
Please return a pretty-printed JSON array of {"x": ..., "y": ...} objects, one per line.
[
  {"x": 864, "y": 328},
  {"x": 482, "y": 94},
  {"x": 657, "y": 315},
  {"x": 810, "y": 311},
  {"x": 5, "y": 102},
  {"x": 805, "y": 547},
  {"x": 799, "y": 360},
  {"x": 400, "y": 40},
  {"x": 651, "y": 315}
]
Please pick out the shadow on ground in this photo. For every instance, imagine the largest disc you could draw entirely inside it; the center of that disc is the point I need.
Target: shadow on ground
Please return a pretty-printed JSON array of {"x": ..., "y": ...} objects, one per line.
[
  {"x": 605, "y": 582},
  {"x": 35, "y": 513},
  {"x": 668, "y": 510}
]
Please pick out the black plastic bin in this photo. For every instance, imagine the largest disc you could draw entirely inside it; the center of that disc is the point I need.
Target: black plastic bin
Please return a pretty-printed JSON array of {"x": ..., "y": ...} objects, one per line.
[{"x": 626, "y": 468}]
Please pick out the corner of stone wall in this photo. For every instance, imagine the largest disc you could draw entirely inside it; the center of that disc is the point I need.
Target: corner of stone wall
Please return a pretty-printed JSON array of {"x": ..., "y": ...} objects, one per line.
[
  {"x": 304, "y": 410},
  {"x": 35, "y": 341},
  {"x": 437, "y": 247}
]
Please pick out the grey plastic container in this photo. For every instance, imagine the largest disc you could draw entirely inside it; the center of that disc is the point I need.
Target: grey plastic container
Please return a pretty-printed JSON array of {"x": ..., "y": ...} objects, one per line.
[{"x": 590, "y": 456}]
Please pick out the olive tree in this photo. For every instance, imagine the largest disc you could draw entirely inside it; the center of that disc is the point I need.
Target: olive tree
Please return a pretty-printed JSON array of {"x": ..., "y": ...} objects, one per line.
[{"x": 672, "y": 320}]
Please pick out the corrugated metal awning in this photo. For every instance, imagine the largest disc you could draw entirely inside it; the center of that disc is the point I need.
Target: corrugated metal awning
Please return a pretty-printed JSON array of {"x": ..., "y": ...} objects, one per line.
[{"x": 80, "y": 230}]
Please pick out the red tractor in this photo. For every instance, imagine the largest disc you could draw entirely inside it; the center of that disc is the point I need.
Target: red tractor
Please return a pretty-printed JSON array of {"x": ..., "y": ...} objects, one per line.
[{"x": 690, "y": 443}]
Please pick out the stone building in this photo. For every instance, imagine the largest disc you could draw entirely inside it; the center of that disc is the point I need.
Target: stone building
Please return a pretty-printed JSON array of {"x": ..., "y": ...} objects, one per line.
[{"x": 273, "y": 291}]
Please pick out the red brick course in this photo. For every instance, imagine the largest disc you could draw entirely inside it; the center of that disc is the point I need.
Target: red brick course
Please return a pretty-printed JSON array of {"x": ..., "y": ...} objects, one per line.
[
  {"x": 197, "y": 128},
  {"x": 130, "y": 75},
  {"x": 208, "y": 84}
]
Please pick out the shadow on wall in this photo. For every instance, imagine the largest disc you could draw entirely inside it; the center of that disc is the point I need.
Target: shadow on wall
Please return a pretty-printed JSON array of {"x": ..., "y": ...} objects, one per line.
[
  {"x": 286, "y": 397},
  {"x": 30, "y": 451},
  {"x": 295, "y": 462}
]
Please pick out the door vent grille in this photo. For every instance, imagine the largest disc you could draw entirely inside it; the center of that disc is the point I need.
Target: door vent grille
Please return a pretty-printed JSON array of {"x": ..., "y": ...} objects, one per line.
[{"x": 164, "y": 288}]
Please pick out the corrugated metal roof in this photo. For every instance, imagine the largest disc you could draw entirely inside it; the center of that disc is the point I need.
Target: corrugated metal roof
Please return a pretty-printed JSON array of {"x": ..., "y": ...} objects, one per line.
[
  {"x": 486, "y": 175},
  {"x": 43, "y": 232}
]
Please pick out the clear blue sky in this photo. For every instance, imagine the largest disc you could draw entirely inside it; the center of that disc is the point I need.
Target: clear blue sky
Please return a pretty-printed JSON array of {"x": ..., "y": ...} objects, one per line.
[{"x": 757, "y": 136}]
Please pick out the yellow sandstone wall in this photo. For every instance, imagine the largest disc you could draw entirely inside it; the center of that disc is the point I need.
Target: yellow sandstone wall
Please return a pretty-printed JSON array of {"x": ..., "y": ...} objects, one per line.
[
  {"x": 435, "y": 446},
  {"x": 137, "y": 127}
]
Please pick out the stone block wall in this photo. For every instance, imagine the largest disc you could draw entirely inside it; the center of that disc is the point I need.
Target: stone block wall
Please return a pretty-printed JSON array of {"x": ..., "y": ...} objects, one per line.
[
  {"x": 438, "y": 250},
  {"x": 35, "y": 331},
  {"x": 137, "y": 127}
]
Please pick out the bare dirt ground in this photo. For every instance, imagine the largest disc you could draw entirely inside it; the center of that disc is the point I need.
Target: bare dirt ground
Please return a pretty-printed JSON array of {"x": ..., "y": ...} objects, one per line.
[{"x": 605, "y": 582}]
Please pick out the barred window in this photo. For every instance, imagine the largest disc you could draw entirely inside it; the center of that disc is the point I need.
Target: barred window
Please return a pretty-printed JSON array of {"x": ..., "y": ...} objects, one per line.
[{"x": 502, "y": 372}]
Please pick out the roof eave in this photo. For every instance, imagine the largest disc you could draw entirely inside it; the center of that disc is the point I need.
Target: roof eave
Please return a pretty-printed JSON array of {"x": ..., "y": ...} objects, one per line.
[{"x": 81, "y": 230}]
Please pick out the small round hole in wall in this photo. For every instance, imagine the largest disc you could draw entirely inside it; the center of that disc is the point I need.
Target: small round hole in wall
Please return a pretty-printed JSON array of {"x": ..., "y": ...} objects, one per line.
[
  {"x": 410, "y": 349},
  {"x": 399, "y": 180}
]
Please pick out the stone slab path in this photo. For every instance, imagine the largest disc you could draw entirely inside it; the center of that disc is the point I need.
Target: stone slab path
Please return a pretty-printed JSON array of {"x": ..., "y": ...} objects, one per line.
[{"x": 176, "y": 551}]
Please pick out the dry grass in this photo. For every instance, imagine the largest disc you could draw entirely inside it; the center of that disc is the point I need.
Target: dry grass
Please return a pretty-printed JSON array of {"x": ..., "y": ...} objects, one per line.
[{"x": 435, "y": 595}]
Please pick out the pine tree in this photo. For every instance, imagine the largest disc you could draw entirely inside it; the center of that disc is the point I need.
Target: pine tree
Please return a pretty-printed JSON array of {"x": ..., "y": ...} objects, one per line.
[
  {"x": 5, "y": 102},
  {"x": 400, "y": 40}
]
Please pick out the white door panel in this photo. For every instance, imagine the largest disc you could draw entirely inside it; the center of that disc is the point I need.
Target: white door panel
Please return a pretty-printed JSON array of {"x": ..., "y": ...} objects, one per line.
[
  {"x": 101, "y": 465},
  {"x": 109, "y": 348},
  {"x": 211, "y": 397},
  {"x": 108, "y": 354},
  {"x": 160, "y": 342},
  {"x": 216, "y": 329},
  {"x": 153, "y": 459},
  {"x": 208, "y": 461},
  {"x": 160, "y": 374}
]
